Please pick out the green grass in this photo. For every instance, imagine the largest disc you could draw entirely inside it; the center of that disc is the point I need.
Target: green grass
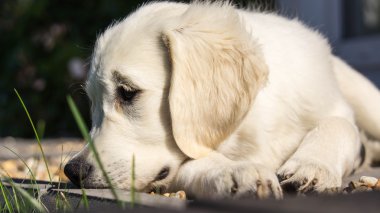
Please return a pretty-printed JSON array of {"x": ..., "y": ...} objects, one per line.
[
  {"x": 5, "y": 194},
  {"x": 17, "y": 199},
  {"x": 133, "y": 199},
  {"x": 41, "y": 128},
  {"x": 84, "y": 199},
  {"x": 20, "y": 200},
  {"x": 35, "y": 133},
  {"x": 35, "y": 188},
  {"x": 61, "y": 203},
  {"x": 33, "y": 203}
]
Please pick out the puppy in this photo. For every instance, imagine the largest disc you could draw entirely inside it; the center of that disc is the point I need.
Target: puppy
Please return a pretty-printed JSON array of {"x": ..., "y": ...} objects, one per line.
[{"x": 221, "y": 102}]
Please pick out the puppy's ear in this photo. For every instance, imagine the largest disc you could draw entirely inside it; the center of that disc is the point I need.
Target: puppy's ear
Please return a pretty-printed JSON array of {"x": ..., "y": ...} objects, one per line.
[{"x": 217, "y": 70}]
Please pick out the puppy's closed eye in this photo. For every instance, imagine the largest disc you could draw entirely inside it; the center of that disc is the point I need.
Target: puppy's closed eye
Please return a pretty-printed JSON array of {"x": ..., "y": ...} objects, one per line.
[
  {"x": 126, "y": 95},
  {"x": 163, "y": 173}
]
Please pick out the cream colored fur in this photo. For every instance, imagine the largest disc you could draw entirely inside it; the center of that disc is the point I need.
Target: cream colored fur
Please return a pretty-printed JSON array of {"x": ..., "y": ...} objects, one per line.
[
  {"x": 226, "y": 87},
  {"x": 229, "y": 99}
]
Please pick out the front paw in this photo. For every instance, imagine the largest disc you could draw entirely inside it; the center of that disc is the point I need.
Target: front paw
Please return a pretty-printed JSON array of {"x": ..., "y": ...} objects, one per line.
[
  {"x": 305, "y": 176},
  {"x": 238, "y": 181}
]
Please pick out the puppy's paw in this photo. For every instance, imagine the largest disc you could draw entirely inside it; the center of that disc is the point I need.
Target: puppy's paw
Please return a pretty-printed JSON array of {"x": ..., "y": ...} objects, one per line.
[
  {"x": 304, "y": 176},
  {"x": 240, "y": 181}
]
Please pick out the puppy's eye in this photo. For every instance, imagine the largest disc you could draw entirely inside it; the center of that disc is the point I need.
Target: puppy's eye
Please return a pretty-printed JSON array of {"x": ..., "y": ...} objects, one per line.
[
  {"x": 162, "y": 174},
  {"x": 126, "y": 95}
]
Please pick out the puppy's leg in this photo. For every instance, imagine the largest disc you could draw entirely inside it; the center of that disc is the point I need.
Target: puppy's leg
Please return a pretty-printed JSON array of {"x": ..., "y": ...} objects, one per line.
[
  {"x": 216, "y": 177},
  {"x": 326, "y": 154}
]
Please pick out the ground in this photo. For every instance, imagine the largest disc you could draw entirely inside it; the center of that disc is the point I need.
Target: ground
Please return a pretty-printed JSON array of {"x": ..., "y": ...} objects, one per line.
[{"x": 59, "y": 151}]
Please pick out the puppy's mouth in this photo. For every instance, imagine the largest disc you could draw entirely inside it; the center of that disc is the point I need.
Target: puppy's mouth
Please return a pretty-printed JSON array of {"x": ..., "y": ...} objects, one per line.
[
  {"x": 153, "y": 187},
  {"x": 150, "y": 188},
  {"x": 90, "y": 184},
  {"x": 157, "y": 189}
]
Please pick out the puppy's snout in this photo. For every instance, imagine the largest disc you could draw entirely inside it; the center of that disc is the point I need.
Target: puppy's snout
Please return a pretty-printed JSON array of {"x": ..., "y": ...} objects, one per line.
[{"x": 77, "y": 170}]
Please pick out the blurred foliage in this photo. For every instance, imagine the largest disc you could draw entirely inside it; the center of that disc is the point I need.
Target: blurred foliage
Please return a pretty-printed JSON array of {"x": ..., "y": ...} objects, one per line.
[
  {"x": 39, "y": 39},
  {"x": 45, "y": 49}
]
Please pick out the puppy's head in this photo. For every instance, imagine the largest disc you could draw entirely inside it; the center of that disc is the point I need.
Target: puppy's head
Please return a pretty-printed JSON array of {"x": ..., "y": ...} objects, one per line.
[{"x": 168, "y": 83}]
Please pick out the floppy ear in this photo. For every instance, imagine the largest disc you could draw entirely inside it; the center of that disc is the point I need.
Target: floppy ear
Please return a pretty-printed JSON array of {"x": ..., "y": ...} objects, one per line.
[{"x": 217, "y": 70}]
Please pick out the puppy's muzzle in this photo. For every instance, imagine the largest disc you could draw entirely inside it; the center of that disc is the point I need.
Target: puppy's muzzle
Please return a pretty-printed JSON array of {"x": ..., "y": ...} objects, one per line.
[{"x": 77, "y": 170}]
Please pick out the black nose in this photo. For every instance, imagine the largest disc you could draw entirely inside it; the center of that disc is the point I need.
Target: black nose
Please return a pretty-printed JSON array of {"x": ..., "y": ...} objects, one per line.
[{"x": 77, "y": 170}]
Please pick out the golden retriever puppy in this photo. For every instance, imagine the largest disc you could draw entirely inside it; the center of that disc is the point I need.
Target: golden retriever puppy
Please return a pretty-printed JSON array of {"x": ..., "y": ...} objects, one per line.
[{"x": 221, "y": 102}]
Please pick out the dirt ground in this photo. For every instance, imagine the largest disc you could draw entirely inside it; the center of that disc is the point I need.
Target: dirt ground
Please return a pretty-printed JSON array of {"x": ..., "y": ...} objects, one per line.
[{"x": 57, "y": 152}]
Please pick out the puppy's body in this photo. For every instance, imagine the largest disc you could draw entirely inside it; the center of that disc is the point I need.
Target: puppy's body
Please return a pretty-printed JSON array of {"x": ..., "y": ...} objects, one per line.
[
  {"x": 244, "y": 95},
  {"x": 301, "y": 89}
]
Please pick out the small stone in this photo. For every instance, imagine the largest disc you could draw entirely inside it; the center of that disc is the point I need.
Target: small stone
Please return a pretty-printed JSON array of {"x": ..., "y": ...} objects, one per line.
[
  {"x": 166, "y": 194},
  {"x": 377, "y": 186},
  {"x": 181, "y": 195},
  {"x": 369, "y": 181}
]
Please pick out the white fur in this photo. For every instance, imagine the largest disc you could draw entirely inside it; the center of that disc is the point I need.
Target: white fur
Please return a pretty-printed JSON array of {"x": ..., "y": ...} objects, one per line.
[{"x": 229, "y": 98}]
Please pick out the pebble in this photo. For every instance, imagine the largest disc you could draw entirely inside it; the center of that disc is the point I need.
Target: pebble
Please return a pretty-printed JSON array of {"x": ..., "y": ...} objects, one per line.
[
  {"x": 180, "y": 195},
  {"x": 364, "y": 184},
  {"x": 370, "y": 181}
]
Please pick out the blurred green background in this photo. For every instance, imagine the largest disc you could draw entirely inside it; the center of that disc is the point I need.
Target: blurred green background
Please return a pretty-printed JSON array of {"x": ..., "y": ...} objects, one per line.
[{"x": 45, "y": 47}]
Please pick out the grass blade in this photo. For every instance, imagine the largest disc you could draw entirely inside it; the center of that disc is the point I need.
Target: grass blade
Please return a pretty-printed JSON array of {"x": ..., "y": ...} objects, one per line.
[
  {"x": 83, "y": 128},
  {"x": 133, "y": 182},
  {"x": 6, "y": 197},
  {"x": 35, "y": 190},
  {"x": 41, "y": 124},
  {"x": 85, "y": 199},
  {"x": 35, "y": 133},
  {"x": 15, "y": 196},
  {"x": 61, "y": 202},
  {"x": 30, "y": 199},
  {"x": 24, "y": 162}
]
